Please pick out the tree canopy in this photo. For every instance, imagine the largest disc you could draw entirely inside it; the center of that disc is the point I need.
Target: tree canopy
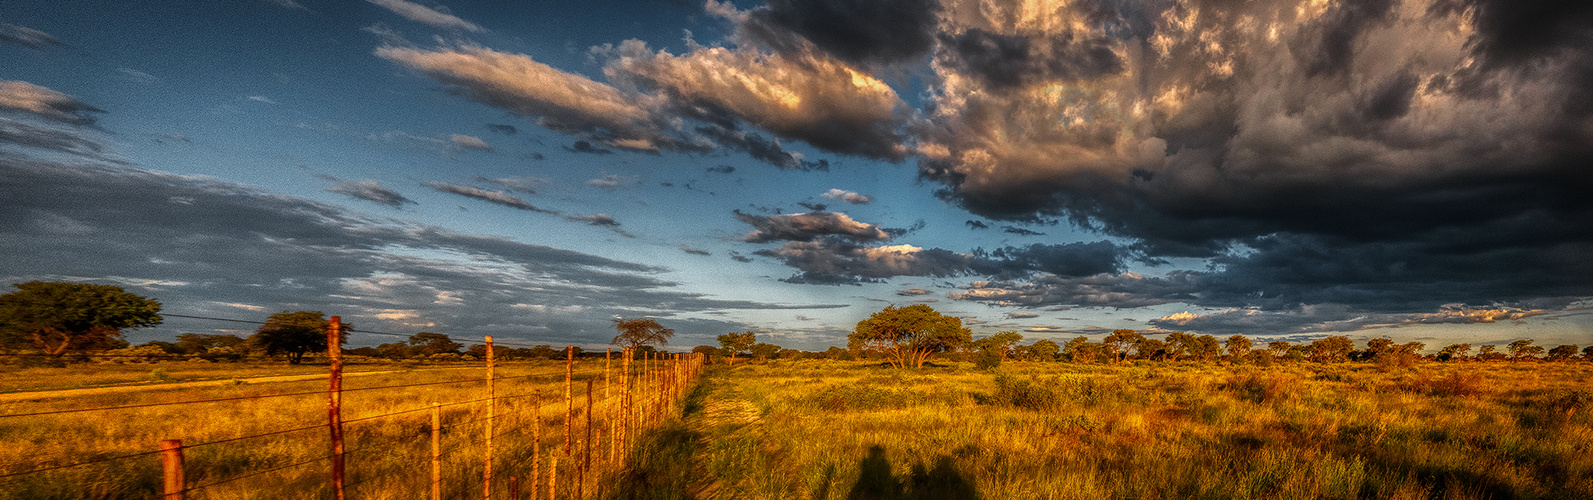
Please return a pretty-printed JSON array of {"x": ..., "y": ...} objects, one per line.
[
  {"x": 908, "y": 335},
  {"x": 635, "y": 333},
  {"x": 294, "y": 333},
  {"x": 57, "y": 318},
  {"x": 428, "y": 343},
  {"x": 736, "y": 343}
]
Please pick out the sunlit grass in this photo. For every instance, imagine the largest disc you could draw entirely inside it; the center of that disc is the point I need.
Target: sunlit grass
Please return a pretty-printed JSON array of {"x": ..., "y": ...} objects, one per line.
[
  {"x": 386, "y": 458},
  {"x": 822, "y": 429}
]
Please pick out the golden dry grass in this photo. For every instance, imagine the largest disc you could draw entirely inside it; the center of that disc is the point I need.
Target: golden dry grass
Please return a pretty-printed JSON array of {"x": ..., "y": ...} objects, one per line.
[{"x": 825, "y": 429}]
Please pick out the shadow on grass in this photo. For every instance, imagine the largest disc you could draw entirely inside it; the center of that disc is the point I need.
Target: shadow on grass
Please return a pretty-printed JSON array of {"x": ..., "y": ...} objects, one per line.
[
  {"x": 662, "y": 465},
  {"x": 875, "y": 481}
]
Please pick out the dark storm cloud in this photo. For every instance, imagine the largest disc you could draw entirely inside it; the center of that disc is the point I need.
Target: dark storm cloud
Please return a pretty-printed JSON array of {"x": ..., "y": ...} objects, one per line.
[
  {"x": 490, "y": 196},
  {"x": 216, "y": 248},
  {"x": 839, "y": 261},
  {"x": 1067, "y": 259},
  {"x": 761, "y": 149},
  {"x": 807, "y": 226},
  {"x": 1005, "y": 62},
  {"x": 367, "y": 190},
  {"x": 694, "y": 251},
  {"x": 588, "y": 148},
  {"x": 1365, "y": 155},
  {"x": 76, "y": 142},
  {"x": 856, "y": 31},
  {"x": 1020, "y": 231},
  {"x": 26, "y": 37}
]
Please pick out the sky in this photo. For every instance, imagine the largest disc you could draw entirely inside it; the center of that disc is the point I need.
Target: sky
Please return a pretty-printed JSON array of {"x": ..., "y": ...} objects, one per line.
[{"x": 1284, "y": 170}]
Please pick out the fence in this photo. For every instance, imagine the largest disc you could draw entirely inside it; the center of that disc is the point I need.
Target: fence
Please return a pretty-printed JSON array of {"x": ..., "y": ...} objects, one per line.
[{"x": 487, "y": 452}]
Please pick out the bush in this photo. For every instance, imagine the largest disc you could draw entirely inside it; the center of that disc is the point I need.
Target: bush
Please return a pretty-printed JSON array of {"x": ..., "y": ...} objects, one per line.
[
  {"x": 855, "y": 397},
  {"x": 1451, "y": 385},
  {"x": 1261, "y": 388},
  {"x": 1024, "y": 394},
  {"x": 987, "y": 359}
]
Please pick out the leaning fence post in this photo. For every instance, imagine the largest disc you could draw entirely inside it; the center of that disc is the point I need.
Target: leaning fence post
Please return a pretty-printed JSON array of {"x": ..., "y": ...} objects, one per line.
[
  {"x": 334, "y": 407},
  {"x": 171, "y": 464},
  {"x": 436, "y": 451},
  {"x": 492, "y": 407}
]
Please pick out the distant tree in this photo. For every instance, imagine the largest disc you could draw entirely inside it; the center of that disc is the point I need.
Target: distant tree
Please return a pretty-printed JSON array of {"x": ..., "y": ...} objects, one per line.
[
  {"x": 293, "y": 334},
  {"x": 838, "y": 354},
  {"x": 909, "y": 335},
  {"x": 1587, "y": 353},
  {"x": 395, "y": 350},
  {"x": 57, "y": 318},
  {"x": 1297, "y": 353},
  {"x": 1205, "y": 348},
  {"x": 202, "y": 344},
  {"x": 1042, "y": 350},
  {"x": 428, "y": 343},
  {"x": 1335, "y": 349},
  {"x": 1562, "y": 353},
  {"x": 1000, "y": 343},
  {"x": 1118, "y": 343},
  {"x": 366, "y": 351},
  {"x": 1279, "y": 348},
  {"x": 1523, "y": 349},
  {"x": 1378, "y": 346},
  {"x": 1489, "y": 353},
  {"x": 1177, "y": 344},
  {"x": 706, "y": 350},
  {"x": 1081, "y": 350},
  {"x": 1151, "y": 349},
  {"x": 764, "y": 351},
  {"x": 736, "y": 343},
  {"x": 1238, "y": 346},
  {"x": 544, "y": 351},
  {"x": 635, "y": 333},
  {"x": 1454, "y": 352}
]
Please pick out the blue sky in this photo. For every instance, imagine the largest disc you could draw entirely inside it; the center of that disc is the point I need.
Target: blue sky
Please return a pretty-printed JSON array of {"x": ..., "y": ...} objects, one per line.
[{"x": 531, "y": 170}]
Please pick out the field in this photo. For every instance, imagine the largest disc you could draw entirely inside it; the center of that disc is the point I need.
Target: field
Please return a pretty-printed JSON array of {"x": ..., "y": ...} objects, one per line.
[
  {"x": 831, "y": 429},
  {"x": 1049, "y": 430},
  {"x": 270, "y": 440}
]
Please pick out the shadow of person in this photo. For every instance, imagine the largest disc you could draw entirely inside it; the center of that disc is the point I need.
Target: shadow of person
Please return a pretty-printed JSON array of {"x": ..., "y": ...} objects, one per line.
[
  {"x": 875, "y": 480},
  {"x": 943, "y": 482}
]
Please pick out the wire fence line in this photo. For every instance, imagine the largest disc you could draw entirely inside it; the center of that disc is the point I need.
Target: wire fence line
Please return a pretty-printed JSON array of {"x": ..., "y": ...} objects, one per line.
[{"x": 647, "y": 392}]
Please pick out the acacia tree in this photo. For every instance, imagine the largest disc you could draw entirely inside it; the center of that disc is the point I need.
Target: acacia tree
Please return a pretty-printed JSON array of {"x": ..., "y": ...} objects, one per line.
[
  {"x": 764, "y": 351},
  {"x": 736, "y": 343},
  {"x": 1335, "y": 349},
  {"x": 429, "y": 343},
  {"x": 1562, "y": 353},
  {"x": 1238, "y": 347},
  {"x": 1522, "y": 349},
  {"x": 1205, "y": 348},
  {"x": 57, "y": 318},
  {"x": 908, "y": 335},
  {"x": 294, "y": 334},
  {"x": 1000, "y": 343},
  {"x": 1119, "y": 341},
  {"x": 1454, "y": 352},
  {"x": 635, "y": 333},
  {"x": 1177, "y": 343}
]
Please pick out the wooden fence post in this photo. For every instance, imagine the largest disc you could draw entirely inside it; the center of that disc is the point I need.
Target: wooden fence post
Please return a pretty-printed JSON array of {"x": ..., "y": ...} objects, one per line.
[
  {"x": 553, "y": 475},
  {"x": 436, "y": 451},
  {"x": 536, "y": 441},
  {"x": 171, "y": 464},
  {"x": 492, "y": 410},
  {"x": 334, "y": 407},
  {"x": 586, "y": 459},
  {"x": 569, "y": 404},
  {"x": 514, "y": 488}
]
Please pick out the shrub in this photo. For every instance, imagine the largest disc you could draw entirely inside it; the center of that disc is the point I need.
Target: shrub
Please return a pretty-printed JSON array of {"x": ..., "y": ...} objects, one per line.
[
  {"x": 1261, "y": 388},
  {"x": 1024, "y": 394},
  {"x": 1451, "y": 385}
]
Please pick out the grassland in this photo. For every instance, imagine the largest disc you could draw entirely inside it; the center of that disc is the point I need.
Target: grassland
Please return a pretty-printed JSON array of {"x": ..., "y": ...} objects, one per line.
[
  {"x": 811, "y": 429},
  {"x": 388, "y": 457},
  {"x": 827, "y": 430}
]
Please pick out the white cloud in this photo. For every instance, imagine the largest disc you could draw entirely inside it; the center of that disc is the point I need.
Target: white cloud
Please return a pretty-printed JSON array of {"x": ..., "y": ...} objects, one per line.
[
  {"x": 421, "y": 14},
  {"x": 848, "y": 196},
  {"x": 470, "y": 142}
]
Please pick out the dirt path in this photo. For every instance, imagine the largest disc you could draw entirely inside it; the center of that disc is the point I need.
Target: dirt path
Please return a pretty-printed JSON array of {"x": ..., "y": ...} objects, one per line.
[{"x": 92, "y": 391}]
